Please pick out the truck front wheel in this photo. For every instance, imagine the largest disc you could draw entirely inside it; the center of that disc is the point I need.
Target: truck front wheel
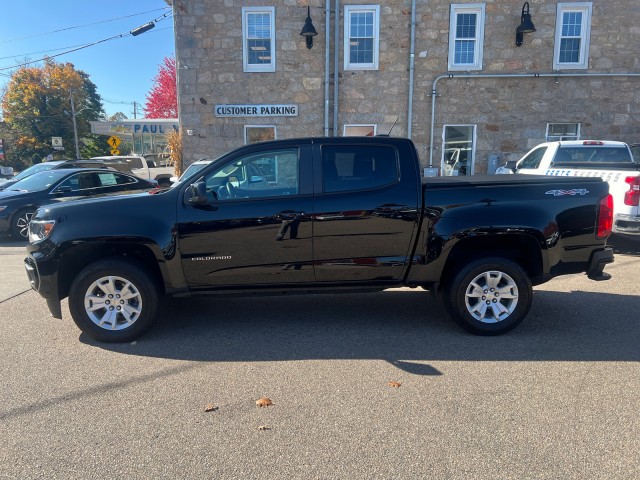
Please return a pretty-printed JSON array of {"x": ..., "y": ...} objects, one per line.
[
  {"x": 489, "y": 296},
  {"x": 113, "y": 301}
]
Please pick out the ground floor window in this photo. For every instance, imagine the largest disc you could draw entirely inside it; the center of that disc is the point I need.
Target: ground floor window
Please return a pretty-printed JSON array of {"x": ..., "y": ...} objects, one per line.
[
  {"x": 259, "y": 133},
  {"x": 563, "y": 131},
  {"x": 458, "y": 148},
  {"x": 359, "y": 130}
]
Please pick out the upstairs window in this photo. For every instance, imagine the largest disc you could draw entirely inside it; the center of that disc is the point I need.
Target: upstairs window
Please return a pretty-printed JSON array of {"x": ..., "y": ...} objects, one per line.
[
  {"x": 361, "y": 37},
  {"x": 466, "y": 36},
  {"x": 258, "y": 39},
  {"x": 573, "y": 31}
]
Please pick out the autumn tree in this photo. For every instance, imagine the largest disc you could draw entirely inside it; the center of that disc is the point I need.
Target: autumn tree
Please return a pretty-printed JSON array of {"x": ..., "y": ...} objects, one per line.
[
  {"x": 162, "y": 100},
  {"x": 37, "y": 105}
]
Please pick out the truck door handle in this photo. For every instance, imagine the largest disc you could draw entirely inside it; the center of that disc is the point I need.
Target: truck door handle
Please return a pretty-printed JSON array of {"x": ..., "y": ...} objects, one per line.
[
  {"x": 289, "y": 215},
  {"x": 290, "y": 212}
]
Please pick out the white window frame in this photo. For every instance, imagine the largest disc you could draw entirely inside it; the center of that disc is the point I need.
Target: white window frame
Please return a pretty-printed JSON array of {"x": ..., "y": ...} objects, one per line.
[
  {"x": 348, "y": 10},
  {"x": 557, "y": 138},
  {"x": 585, "y": 35},
  {"x": 473, "y": 8},
  {"x": 266, "y": 67},
  {"x": 350, "y": 125},
  {"x": 247, "y": 127}
]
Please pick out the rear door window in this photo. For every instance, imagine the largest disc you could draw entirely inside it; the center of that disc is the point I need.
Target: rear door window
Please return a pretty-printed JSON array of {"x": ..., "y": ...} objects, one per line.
[{"x": 355, "y": 167}]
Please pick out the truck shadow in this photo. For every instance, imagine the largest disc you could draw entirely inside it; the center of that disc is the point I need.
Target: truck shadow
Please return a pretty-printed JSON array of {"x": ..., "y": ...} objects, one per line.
[
  {"x": 625, "y": 245},
  {"x": 407, "y": 329}
]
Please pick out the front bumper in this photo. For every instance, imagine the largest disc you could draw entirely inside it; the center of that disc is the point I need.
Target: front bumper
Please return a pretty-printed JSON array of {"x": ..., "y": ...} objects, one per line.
[
  {"x": 4, "y": 224},
  {"x": 597, "y": 262},
  {"x": 44, "y": 280}
]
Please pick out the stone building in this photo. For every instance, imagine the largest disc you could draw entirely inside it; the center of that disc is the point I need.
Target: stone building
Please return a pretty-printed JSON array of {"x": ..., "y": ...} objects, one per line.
[{"x": 449, "y": 75}]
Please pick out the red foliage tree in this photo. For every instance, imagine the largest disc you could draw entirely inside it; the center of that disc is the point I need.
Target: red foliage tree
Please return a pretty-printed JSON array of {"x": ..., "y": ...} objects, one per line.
[{"x": 162, "y": 100}]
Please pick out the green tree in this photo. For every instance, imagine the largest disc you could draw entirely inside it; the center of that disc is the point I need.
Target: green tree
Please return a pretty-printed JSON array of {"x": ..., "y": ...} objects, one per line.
[
  {"x": 117, "y": 117},
  {"x": 37, "y": 105}
]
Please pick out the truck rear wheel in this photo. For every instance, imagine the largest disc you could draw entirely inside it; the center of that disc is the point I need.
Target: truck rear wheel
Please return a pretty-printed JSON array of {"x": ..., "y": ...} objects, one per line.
[
  {"x": 113, "y": 301},
  {"x": 489, "y": 296}
]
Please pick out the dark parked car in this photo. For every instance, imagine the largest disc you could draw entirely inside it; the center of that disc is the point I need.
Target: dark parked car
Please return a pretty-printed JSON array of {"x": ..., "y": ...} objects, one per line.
[
  {"x": 41, "y": 167},
  {"x": 20, "y": 201}
]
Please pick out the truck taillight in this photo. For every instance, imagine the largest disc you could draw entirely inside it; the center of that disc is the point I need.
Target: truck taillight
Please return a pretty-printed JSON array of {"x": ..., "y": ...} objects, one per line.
[
  {"x": 605, "y": 217},
  {"x": 632, "y": 196}
]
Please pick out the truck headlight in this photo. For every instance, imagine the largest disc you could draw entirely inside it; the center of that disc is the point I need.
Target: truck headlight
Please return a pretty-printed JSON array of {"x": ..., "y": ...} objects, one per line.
[{"x": 40, "y": 229}]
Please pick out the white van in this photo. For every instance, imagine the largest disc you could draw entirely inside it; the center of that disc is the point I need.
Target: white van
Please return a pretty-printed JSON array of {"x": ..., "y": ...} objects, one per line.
[{"x": 610, "y": 160}]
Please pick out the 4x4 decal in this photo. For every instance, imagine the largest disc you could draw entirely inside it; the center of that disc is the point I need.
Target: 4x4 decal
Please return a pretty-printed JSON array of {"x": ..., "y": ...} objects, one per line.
[{"x": 573, "y": 191}]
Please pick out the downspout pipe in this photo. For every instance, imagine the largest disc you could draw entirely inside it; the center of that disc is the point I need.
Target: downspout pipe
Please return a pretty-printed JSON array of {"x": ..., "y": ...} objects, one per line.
[
  {"x": 411, "y": 67},
  {"x": 336, "y": 58},
  {"x": 451, "y": 76},
  {"x": 327, "y": 55}
]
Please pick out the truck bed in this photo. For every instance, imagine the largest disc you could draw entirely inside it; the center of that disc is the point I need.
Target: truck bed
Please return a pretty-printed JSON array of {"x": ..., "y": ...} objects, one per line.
[{"x": 492, "y": 180}]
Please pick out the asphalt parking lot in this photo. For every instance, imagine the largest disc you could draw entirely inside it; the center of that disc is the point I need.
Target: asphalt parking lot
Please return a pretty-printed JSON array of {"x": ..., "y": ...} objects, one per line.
[{"x": 555, "y": 398}]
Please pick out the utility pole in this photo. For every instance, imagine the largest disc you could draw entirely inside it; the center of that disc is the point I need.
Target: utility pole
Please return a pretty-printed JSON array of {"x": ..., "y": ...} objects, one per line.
[
  {"x": 75, "y": 126},
  {"x": 134, "y": 109}
]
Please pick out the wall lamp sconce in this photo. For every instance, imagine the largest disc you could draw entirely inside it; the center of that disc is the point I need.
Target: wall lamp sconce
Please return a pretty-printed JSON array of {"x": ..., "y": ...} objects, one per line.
[
  {"x": 308, "y": 31},
  {"x": 526, "y": 25}
]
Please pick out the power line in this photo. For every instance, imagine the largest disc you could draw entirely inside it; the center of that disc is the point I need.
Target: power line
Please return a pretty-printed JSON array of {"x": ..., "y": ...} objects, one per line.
[
  {"x": 80, "y": 26},
  {"x": 122, "y": 35},
  {"x": 117, "y": 102},
  {"x": 57, "y": 49}
]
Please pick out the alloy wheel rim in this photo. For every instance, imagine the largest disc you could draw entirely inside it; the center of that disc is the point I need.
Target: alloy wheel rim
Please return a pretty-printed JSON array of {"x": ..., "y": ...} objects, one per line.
[
  {"x": 113, "y": 303},
  {"x": 23, "y": 224},
  {"x": 491, "y": 297}
]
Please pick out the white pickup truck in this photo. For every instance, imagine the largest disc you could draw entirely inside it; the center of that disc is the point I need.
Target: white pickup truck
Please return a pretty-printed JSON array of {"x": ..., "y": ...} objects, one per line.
[
  {"x": 159, "y": 170},
  {"x": 610, "y": 160}
]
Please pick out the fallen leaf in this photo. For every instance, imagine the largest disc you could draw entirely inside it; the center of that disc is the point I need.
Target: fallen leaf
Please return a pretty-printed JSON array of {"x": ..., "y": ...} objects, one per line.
[
  {"x": 395, "y": 384},
  {"x": 263, "y": 427},
  {"x": 264, "y": 402},
  {"x": 210, "y": 408}
]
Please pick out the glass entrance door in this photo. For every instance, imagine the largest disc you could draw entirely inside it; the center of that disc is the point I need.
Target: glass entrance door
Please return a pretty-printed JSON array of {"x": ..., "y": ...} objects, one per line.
[{"x": 458, "y": 147}]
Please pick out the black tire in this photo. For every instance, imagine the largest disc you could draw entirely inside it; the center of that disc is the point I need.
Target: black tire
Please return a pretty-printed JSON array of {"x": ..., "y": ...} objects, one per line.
[
  {"x": 132, "y": 313},
  {"x": 20, "y": 223},
  {"x": 496, "y": 309}
]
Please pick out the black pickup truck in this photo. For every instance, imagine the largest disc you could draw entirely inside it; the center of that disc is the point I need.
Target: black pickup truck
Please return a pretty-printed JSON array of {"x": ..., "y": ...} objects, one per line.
[{"x": 319, "y": 215}]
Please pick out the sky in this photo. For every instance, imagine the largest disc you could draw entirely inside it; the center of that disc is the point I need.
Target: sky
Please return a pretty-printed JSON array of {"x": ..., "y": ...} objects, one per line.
[{"x": 122, "y": 68}]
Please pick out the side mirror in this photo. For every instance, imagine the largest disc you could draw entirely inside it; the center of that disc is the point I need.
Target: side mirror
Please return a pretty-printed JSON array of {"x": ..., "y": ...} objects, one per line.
[
  {"x": 197, "y": 194},
  {"x": 510, "y": 166}
]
